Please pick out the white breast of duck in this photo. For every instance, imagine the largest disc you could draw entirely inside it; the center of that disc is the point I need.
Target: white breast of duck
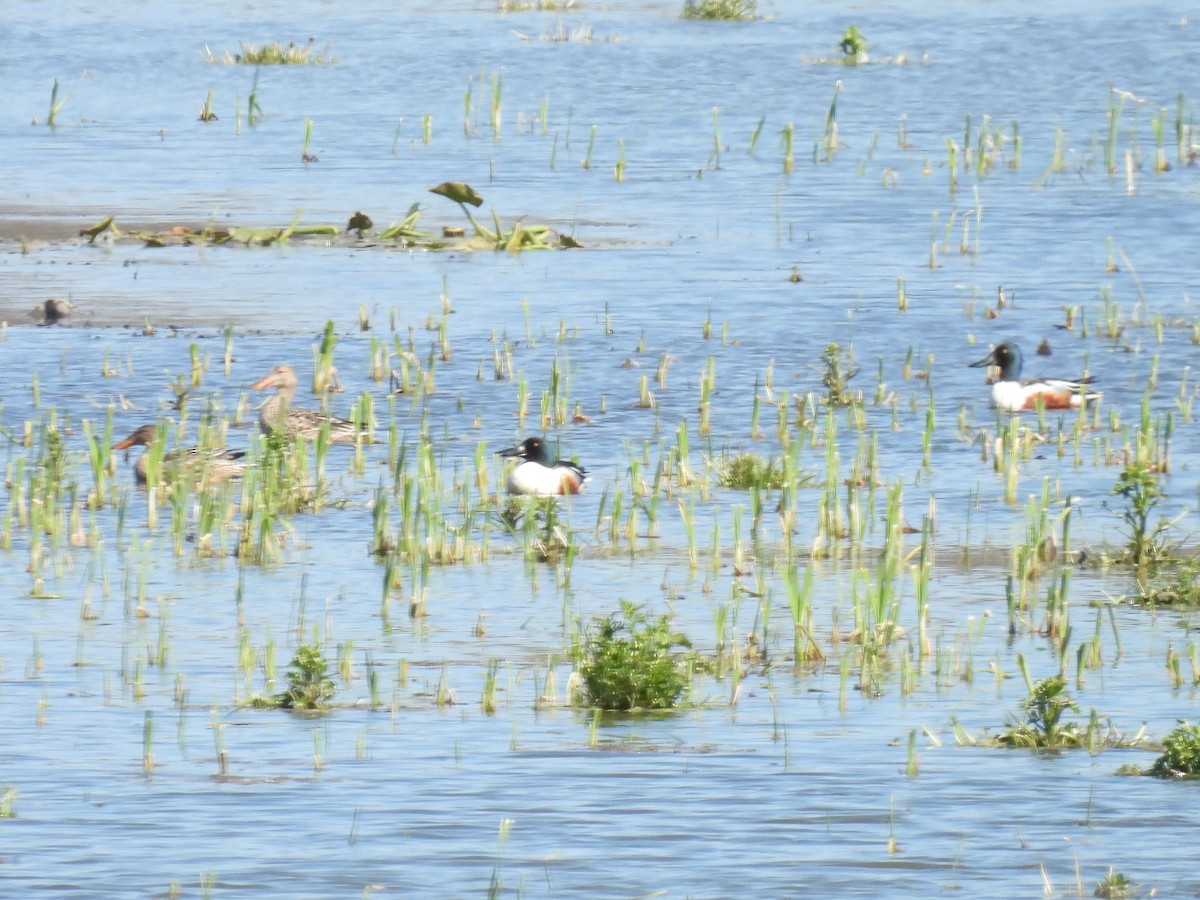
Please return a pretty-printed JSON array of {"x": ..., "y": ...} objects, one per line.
[
  {"x": 546, "y": 481},
  {"x": 539, "y": 475}
]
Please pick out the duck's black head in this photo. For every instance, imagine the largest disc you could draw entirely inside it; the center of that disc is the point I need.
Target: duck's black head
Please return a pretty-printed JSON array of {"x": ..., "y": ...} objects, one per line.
[
  {"x": 532, "y": 449},
  {"x": 1006, "y": 357}
]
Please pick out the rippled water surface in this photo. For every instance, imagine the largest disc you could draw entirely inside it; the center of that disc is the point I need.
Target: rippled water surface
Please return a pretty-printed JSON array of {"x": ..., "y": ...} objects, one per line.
[{"x": 969, "y": 173}]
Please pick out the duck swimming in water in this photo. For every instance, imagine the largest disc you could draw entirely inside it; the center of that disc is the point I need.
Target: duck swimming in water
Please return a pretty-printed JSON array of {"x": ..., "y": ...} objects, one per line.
[
  {"x": 538, "y": 474},
  {"x": 277, "y": 414},
  {"x": 216, "y": 464},
  {"x": 1011, "y": 394}
]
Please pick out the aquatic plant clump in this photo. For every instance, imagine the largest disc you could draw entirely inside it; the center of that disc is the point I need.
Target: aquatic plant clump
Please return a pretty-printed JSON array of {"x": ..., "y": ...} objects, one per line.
[
  {"x": 1138, "y": 484},
  {"x": 1043, "y": 726},
  {"x": 728, "y": 10},
  {"x": 749, "y": 470},
  {"x": 273, "y": 54},
  {"x": 309, "y": 685},
  {"x": 1181, "y": 754},
  {"x": 1181, "y": 591},
  {"x": 626, "y": 662}
]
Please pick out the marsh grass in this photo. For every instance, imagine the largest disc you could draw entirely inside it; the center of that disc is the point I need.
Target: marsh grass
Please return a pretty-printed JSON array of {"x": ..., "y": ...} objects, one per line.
[
  {"x": 273, "y": 54},
  {"x": 626, "y": 662}
]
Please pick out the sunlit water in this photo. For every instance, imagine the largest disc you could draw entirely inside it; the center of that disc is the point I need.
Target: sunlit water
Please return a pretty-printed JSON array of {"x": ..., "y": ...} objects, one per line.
[{"x": 773, "y": 782}]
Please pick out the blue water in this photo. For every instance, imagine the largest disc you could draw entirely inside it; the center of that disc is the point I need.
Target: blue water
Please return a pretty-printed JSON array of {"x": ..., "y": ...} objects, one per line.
[{"x": 775, "y": 781}]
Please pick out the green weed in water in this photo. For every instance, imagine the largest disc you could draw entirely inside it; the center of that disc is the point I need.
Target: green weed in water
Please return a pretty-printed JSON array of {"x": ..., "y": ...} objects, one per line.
[
  {"x": 853, "y": 46},
  {"x": 1043, "y": 725},
  {"x": 836, "y": 378},
  {"x": 749, "y": 470},
  {"x": 1138, "y": 485},
  {"x": 727, "y": 10},
  {"x": 1115, "y": 886},
  {"x": 626, "y": 662},
  {"x": 309, "y": 685},
  {"x": 273, "y": 54},
  {"x": 1181, "y": 753},
  {"x": 1181, "y": 591}
]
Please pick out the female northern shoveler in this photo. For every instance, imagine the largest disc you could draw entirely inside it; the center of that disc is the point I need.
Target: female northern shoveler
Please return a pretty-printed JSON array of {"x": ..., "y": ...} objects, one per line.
[
  {"x": 1011, "y": 394},
  {"x": 538, "y": 474},
  {"x": 217, "y": 464},
  {"x": 278, "y": 414}
]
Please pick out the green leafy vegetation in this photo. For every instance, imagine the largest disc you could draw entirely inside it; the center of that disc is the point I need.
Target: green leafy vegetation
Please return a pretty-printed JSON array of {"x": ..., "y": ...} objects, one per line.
[
  {"x": 749, "y": 470},
  {"x": 309, "y": 685},
  {"x": 1138, "y": 485},
  {"x": 853, "y": 44},
  {"x": 730, "y": 10},
  {"x": 1181, "y": 753},
  {"x": 1043, "y": 725},
  {"x": 1181, "y": 590},
  {"x": 836, "y": 378},
  {"x": 1115, "y": 886},
  {"x": 626, "y": 662}
]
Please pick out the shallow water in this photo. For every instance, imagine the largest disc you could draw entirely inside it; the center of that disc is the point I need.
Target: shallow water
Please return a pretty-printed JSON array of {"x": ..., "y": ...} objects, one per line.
[{"x": 774, "y": 780}]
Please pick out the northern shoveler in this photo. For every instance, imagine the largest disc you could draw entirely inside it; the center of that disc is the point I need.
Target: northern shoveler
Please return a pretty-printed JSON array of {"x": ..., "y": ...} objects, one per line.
[
  {"x": 277, "y": 413},
  {"x": 1011, "y": 394},
  {"x": 538, "y": 474},
  {"x": 215, "y": 464}
]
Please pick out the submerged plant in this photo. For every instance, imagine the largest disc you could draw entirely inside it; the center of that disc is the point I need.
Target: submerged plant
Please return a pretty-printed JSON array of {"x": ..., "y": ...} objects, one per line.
[
  {"x": 626, "y": 662},
  {"x": 1181, "y": 753},
  {"x": 729, "y": 10}
]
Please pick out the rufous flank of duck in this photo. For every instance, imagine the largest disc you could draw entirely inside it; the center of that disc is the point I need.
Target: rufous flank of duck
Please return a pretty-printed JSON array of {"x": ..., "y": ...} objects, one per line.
[
  {"x": 215, "y": 464},
  {"x": 277, "y": 413},
  {"x": 538, "y": 474},
  {"x": 1011, "y": 394}
]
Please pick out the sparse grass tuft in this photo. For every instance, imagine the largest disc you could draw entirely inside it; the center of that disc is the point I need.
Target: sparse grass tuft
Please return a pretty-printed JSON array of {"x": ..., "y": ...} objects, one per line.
[
  {"x": 274, "y": 54},
  {"x": 626, "y": 663},
  {"x": 531, "y": 5}
]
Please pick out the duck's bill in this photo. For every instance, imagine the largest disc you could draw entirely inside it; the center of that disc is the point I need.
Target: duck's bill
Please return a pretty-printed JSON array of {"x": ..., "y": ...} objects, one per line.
[
  {"x": 511, "y": 451},
  {"x": 989, "y": 360}
]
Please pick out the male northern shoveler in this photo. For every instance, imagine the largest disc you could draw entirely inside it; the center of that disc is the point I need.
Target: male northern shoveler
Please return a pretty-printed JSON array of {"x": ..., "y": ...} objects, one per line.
[
  {"x": 277, "y": 413},
  {"x": 1011, "y": 394},
  {"x": 538, "y": 474},
  {"x": 215, "y": 464}
]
